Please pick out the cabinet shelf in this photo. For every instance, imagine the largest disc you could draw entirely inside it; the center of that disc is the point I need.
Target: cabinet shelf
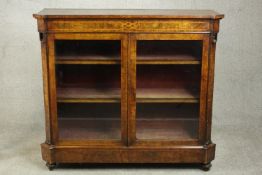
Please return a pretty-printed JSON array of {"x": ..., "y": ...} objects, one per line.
[
  {"x": 141, "y": 60},
  {"x": 167, "y": 121},
  {"x": 88, "y": 51},
  {"x": 168, "y": 59},
  {"x": 168, "y": 52},
  {"x": 87, "y": 59},
  {"x": 156, "y": 95},
  {"x": 89, "y": 128},
  {"x": 81, "y": 128},
  {"x": 88, "y": 95},
  {"x": 175, "y": 129}
]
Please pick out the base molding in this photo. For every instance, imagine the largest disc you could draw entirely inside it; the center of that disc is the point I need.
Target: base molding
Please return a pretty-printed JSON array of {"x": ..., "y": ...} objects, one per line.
[{"x": 83, "y": 154}]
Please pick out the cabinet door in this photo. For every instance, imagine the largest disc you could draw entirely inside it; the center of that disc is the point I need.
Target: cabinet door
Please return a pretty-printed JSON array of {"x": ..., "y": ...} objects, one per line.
[
  {"x": 168, "y": 88},
  {"x": 88, "y": 88}
]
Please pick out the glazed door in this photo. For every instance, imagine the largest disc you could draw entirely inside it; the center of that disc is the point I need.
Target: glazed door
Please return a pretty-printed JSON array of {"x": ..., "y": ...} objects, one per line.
[
  {"x": 168, "y": 88},
  {"x": 88, "y": 87}
]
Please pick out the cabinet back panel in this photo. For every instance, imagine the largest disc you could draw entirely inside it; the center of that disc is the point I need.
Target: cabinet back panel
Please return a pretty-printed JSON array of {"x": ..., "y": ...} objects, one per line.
[
  {"x": 167, "y": 76},
  {"x": 170, "y": 48},
  {"x": 88, "y": 76},
  {"x": 92, "y": 49}
]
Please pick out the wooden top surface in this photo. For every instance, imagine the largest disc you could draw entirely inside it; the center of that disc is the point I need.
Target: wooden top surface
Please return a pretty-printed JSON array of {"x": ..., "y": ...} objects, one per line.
[{"x": 117, "y": 13}]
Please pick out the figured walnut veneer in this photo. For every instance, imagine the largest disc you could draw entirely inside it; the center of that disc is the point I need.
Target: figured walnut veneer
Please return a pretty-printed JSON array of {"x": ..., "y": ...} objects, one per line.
[{"x": 145, "y": 77}]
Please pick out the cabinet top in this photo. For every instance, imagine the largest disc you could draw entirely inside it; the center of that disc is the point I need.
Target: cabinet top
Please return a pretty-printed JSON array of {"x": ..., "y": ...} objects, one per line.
[{"x": 121, "y": 13}]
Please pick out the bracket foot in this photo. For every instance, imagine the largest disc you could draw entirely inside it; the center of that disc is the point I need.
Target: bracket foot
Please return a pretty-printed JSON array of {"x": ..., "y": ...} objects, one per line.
[
  {"x": 206, "y": 166},
  {"x": 51, "y": 166}
]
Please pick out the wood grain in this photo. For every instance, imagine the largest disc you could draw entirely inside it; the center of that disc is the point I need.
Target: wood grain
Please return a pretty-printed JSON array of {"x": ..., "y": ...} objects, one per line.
[
  {"x": 52, "y": 88},
  {"x": 44, "y": 52},
  {"x": 128, "y": 86},
  {"x": 88, "y": 95},
  {"x": 169, "y": 129},
  {"x": 89, "y": 128},
  {"x": 118, "y": 13},
  {"x": 203, "y": 89},
  {"x": 94, "y": 154},
  {"x": 141, "y": 59},
  {"x": 88, "y": 51},
  {"x": 90, "y": 59}
]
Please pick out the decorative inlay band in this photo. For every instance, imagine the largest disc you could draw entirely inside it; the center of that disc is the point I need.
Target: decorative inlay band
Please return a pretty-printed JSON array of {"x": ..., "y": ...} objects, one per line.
[{"x": 129, "y": 26}]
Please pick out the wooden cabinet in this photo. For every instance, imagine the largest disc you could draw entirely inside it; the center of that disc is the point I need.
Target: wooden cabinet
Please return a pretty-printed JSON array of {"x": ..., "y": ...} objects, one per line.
[{"x": 128, "y": 86}]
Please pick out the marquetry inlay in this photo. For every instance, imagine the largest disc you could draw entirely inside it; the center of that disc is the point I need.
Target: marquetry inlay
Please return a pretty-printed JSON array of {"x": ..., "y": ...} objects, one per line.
[{"x": 129, "y": 26}]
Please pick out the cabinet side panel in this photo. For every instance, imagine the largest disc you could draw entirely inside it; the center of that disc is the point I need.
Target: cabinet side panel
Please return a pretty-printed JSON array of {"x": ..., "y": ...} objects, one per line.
[
  {"x": 213, "y": 40},
  {"x": 52, "y": 88},
  {"x": 204, "y": 89},
  {"x": 44, "y": 51}
]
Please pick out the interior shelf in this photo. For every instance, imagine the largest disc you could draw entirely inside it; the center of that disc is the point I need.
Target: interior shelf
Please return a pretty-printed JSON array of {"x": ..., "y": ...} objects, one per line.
[
  {"x": 88, "y": 51},
  {"x": 174, "y": 129},
  {"x": 169, "y": 52},
  {"x": 85, "y": 95},
  {"x": 101, "y": 83},
  {"x": 167, "y": 83},
  {"x": 151, "y": 95},
  {"x": 88, "y": 83},
  {"x": 89, "y": 121},
  {"x": 87, "y": 59},
  {"x": 141, "y": 60},
  {"x": 167, "y": 121},
  {"x": 168, "y": 59},
  {"x": 89, "y": 128}
]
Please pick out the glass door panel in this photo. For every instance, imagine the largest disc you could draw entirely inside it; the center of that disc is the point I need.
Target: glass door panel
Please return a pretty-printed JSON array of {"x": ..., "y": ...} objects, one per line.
[
  {"x": 166, "y": 121},
  {"x": 168, "y": 86},
  {"x": 88, "y": 99},
  {"x": 94, "y": 121},
  {"x": 167, "y": 99},
  {"x": 90, "y": 88}
]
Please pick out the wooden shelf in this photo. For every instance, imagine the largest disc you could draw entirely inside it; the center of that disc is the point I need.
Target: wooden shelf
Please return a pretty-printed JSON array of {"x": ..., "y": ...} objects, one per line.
[
  {"x": 173, "y": 129},
  {"x": 89, "y": 128},
  {"x": 88, "y": 51},
  {"x": 154, "y": 121},
  {"x": 167, "y": 121},
  {"x": 167, "y": 111},
  {"x": 169, "y": 52},
  {"x": 109, "y": 128},
  {"x": 168, "y": 59},
  {"x": 141, "y": 60},
  {"x": 88, "y": 95},
  {"x": 88, "y": 59},
  {"x": 150, "y": 95},
  {"x": 157, "y": 95}
]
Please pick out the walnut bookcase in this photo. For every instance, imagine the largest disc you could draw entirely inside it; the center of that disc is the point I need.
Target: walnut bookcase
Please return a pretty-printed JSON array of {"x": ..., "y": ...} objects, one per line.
[{"x": 128, "y": 86}]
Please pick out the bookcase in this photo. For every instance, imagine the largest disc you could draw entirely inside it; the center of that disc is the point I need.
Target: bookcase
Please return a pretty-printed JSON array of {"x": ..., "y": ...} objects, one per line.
[{"x": 128, "y": 86}]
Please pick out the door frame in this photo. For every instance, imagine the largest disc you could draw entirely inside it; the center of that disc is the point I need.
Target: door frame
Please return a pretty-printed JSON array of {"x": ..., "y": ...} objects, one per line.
[
  {"x": 132, "y": 140},
  {"x": 52, "y": 87}
]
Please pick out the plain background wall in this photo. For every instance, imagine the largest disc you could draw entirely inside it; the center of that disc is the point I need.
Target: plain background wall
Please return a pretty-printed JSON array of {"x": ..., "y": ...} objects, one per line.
[{"x": 238, "y": 73}]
